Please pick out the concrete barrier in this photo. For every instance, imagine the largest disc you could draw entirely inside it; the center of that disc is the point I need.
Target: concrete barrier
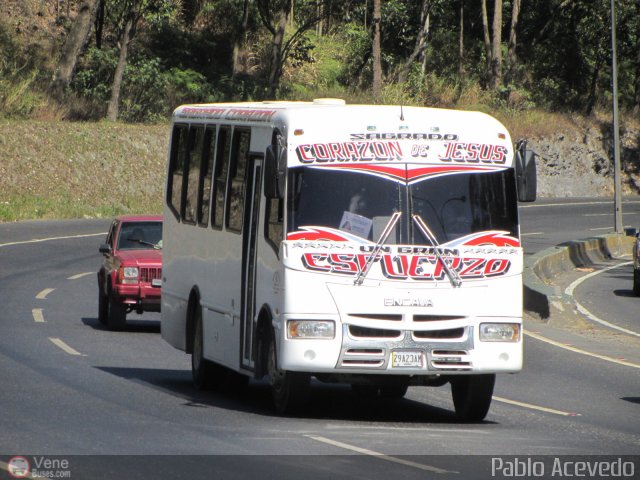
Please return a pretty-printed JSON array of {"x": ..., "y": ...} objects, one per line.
[{"x": 541, "y": 268}]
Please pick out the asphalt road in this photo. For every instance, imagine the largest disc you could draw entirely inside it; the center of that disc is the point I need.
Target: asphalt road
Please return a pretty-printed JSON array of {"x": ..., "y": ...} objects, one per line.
[
  {"x": 549, "y": 222},
  {"x": 74, "y": 391}
]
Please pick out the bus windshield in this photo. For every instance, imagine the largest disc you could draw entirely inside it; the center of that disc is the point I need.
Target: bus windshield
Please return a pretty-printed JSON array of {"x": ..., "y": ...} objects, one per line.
[{"x": 362, "y": 204}]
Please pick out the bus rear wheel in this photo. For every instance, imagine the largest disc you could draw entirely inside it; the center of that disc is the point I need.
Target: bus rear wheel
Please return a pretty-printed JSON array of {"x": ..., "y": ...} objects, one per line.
[
  {"x": 472, "y": 396},
  {"x": 206, "y": 375},
  {"x": 290, "y": 390}
]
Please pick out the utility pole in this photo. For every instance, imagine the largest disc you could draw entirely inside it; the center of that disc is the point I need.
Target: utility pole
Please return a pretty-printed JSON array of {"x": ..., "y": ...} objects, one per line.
[{"x": 617, "y": 194}]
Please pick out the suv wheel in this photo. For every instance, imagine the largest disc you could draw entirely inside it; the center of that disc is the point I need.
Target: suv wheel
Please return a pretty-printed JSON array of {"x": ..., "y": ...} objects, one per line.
[
  {"x": 103, "y": 307},
  {"x": 116, "y": 313}
]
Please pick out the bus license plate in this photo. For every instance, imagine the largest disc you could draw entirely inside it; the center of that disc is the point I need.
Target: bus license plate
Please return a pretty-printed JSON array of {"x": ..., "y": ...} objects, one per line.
[{"x": 407, "y": 359}]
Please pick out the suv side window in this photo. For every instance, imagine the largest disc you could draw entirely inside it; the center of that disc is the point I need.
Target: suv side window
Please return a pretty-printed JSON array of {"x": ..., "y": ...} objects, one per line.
[{"x": 111, "y": 235}]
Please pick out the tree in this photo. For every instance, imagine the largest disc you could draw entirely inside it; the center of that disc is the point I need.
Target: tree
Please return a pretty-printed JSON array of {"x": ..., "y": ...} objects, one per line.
[
  {"x": 511, "y": 52},
  {"x": 130, "y": 13},
  {"x": 239, "y": 38},
  {"x": 493, "y": 44},
  {"x": 125, "y": 38},
  {"x": 376, "y": 53},
  {"x": 636, "y": 87},
  {"x": 74, "y": 44},
  {"x": 421, "y": 41},
  {"x": 272, "y": 11}
]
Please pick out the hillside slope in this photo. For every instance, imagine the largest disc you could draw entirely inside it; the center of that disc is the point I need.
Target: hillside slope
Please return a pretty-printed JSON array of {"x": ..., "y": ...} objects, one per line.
[{"x": 69, "y": 170}]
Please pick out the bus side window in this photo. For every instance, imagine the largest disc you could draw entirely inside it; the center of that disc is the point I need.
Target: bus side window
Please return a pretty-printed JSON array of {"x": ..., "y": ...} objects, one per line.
[
  {"x": 237, "y": 180},
  {"x": 221, "y": 166},
  {"x": 192, "y": 175},
  {"x": 176, "y": 168},
  {"x": 206, "y": 172}
]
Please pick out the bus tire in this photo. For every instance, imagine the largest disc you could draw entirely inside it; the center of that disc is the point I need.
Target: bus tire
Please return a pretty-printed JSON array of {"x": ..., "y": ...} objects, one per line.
[
  {"x": 365, "y": 391},
  {"x": 290, "y": 390},
  {"x": 206, "y": 375},
  {"x": 116, "y": 313},
  {"x": 394, "y": 391},
  {"x": 472, "y": 396},
  {"x": 636, "y": 282}
]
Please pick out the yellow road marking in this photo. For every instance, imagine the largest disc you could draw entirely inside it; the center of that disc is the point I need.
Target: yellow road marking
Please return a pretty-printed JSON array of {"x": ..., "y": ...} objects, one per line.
[
  {"x": 80, "y": 275},
  {"x": 38, "y": 317},
  {"x": 43, "y": 294},
  {"x": 381, "y": 456},
  {"x": 66, "y": 348},
  {"x": 536, "y": 407},
  {"x": 580, "y": 351}
]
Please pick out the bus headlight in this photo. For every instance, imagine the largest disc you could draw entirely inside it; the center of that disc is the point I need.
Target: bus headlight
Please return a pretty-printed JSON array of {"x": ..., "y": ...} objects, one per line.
[
  {"x": 499, "y": 332},
  {"x": 311, "y": 329},
  {"x": 128, "y": 275}
]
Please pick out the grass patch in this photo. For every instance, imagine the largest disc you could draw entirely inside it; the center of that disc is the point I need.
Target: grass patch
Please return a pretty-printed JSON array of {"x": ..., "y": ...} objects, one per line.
[{"x": 53, "y": 169}]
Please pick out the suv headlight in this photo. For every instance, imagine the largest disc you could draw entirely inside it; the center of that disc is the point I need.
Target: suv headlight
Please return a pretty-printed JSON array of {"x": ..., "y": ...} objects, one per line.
[
  {"x": 311, "y": 329},
  {"x": 499, "y": 332},
  {"x": 128, "y": 275}
]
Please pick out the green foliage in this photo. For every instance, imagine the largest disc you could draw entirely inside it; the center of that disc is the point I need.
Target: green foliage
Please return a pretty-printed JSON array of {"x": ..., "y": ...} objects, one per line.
[
  {"x": 149, "y": 92},
  {"x": 182, "y": 52},
  {"x": 19, "y": 75}
]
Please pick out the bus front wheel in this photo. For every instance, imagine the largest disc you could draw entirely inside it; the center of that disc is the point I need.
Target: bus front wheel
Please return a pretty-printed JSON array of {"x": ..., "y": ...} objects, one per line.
[
  {"x": 472, "y": 396},
  {"x": 290, "y": 390}
]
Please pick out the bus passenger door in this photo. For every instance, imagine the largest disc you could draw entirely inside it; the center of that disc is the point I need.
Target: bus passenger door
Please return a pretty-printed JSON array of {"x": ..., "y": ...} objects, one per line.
[{"x": 249, "y": 253}]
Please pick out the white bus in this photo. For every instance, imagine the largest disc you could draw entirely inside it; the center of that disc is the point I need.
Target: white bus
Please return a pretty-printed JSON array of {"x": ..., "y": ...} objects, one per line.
[{"x": 376, "y": 246}]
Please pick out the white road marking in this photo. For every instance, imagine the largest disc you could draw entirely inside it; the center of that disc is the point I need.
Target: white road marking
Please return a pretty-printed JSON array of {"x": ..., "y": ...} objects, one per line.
[
  {"x": 536, "y": 407},
  {"x": 66, "y": 348},
  {"x": 38, "y": 317},
  {"x": 600, "y": 228},
  {"x": 570, "y": 289},
  {"x": 571, "y": 204},
  {"x": 381, "y": 456},
  {"x": 80, "y": 275},
  {"x": 43, "y": 294},
  {"x": 532, "y": 233},
  {"x": 580, "y": 351},
  {"x": 48, "y": 239}
]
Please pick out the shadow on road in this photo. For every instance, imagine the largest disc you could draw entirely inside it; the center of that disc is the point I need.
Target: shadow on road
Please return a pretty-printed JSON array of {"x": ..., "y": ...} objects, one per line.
[
  {"x": 623, "y": 292},
  {"x": 327, "y": 402},
  {"x": 132, "y": 326}
]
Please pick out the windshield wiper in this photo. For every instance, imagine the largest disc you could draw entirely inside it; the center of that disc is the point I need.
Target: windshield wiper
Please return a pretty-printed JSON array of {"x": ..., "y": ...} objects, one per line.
[
  {"x": 143, "y": 242},
  {"x": 454, "y": 278},
  {"x": 383, "y": 238}
]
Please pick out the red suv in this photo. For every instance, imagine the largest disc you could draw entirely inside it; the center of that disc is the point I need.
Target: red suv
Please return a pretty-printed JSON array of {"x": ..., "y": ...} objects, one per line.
[{"x": 131, "y": 274}]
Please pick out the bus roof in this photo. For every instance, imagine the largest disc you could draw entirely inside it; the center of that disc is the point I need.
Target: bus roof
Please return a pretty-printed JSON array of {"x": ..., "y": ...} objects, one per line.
[
  {"x": 270, "y": 111},
  {"x": 330, "y": 131}
]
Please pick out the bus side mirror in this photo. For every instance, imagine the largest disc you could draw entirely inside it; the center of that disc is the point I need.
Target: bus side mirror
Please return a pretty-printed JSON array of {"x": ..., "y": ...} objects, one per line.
[
  {"x": 526, "y": 177},
  {"x": 275, "y": 171}
]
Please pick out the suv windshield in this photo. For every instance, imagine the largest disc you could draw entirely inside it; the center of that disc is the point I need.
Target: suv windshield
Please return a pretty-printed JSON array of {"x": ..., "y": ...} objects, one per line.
[
  {"x": 140, "y": 236},
  {"x": 360, "y": 203}
]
